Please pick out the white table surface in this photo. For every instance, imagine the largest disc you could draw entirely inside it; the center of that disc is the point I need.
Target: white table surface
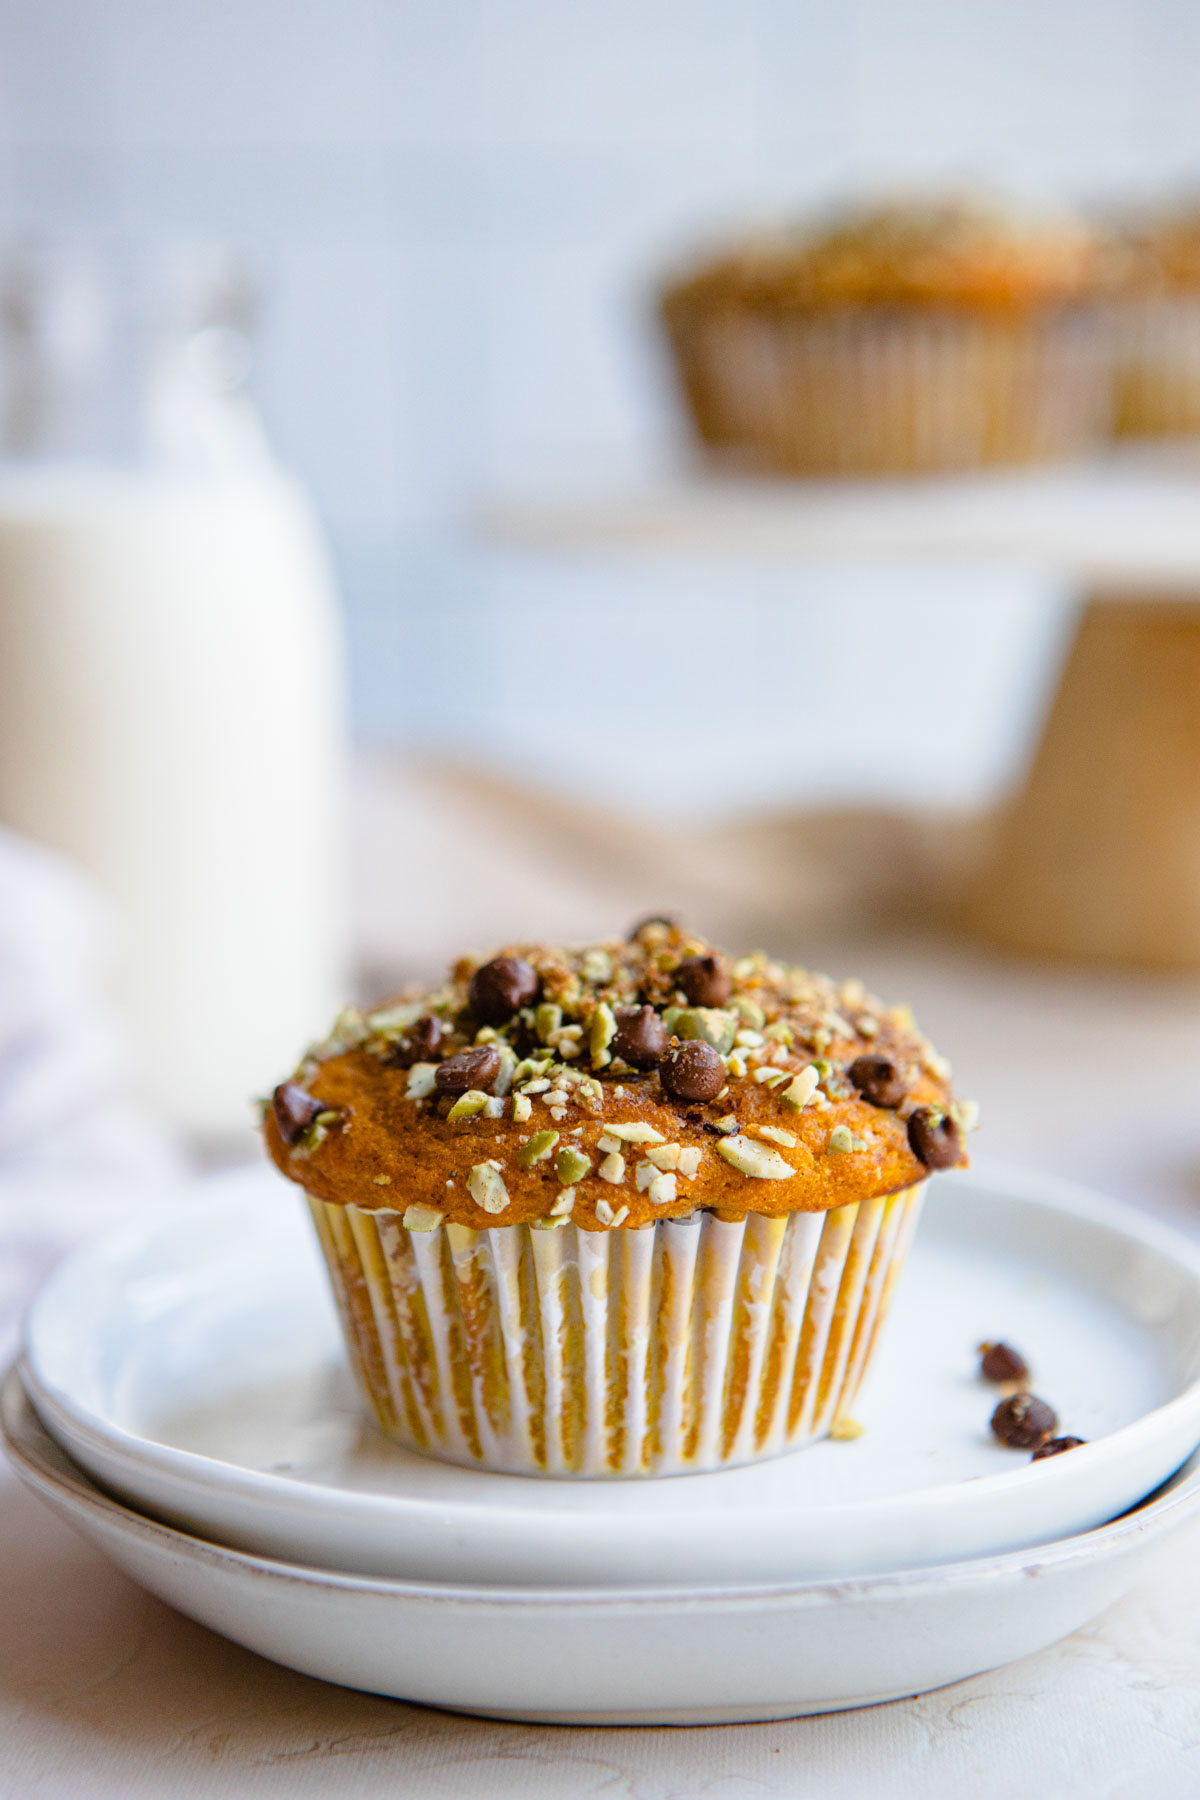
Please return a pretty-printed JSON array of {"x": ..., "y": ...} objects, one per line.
[{"x": 104, "y": 1691}]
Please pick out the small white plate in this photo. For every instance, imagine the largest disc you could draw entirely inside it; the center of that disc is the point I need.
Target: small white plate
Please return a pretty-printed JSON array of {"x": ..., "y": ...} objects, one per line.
[
  {"x": 613, "y": 1657},
  {"x": 192, "y": 1365}
]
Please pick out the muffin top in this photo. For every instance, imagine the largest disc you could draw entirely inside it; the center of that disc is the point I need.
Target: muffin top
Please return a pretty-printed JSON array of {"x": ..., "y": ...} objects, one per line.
[
  {"x": 949, "y": 252},
  {"x": 616, "y": 1084}
]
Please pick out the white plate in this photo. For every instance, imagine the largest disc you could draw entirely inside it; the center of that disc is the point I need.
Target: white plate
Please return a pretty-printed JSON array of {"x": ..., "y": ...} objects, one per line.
[
  {"x": 200, "y": 1376},
  {"x": 617, "y": 1657}
]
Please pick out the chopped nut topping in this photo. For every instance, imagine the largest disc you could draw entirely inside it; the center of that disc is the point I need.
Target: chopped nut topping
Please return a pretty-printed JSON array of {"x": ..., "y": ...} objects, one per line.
[
  {"x": 612, "y": 1168},
  {"x": 755, "y": 1160},
  {"x": 467, "y": 1106},
  {"x": 564, "y": 1205},
  {"x": 422, "y": 1218},
  {"x": 485, "y": 1184},
  {"x": 607, "y": 1216},
  {"x": 522, "y": 1108},
  {"x": 571, "y": 1165},
  {"x": 777, "y": 1135},
  {"x": 382, "y": 1180},
  {"x": 550, "y": 1224},
  {"x": 842, "y": 1141},
  {"x": 802, "y": 1089},
  {"x": 421, "y": 1080},
  {"x": 635, "y": 1133},
  {"x": 661, "y": 1190},
  {"x": 689, "y": 1162},
  {"x": 537, "y": 1149},
  {"x": 664, "y": 1156}
]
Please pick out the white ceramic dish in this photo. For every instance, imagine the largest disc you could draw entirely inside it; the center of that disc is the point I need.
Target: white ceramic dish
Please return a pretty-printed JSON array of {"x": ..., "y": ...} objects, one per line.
[
  {"x": 616, "y": 1657},
  {"x": 205, "y": 1384}
]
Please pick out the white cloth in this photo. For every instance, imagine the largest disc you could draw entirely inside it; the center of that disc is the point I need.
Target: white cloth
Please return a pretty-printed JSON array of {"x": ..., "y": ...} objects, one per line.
[{"x": 76, "y": 1150}]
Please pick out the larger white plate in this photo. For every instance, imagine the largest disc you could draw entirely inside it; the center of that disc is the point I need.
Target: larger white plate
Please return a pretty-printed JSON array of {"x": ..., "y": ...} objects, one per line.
[
  {"x": 192, "y": 1365},
  {"x": 611, "y": 1656}
]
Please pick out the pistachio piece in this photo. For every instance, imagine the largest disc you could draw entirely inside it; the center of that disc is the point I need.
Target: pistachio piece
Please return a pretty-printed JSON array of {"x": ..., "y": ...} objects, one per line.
[
  {"x": 421, "y": 1218},
  {"x": 550, "y": 1224},
  {"x": 546, "y": 1019},
  {"x": 755, "y": 1160},
  {"x": 634, "y": 1133},
  {"x": 613, "y": 1168},
  {"x": 467, "y": 1106},
  {"x": 802, "y": 1088},
  {"x": 522, "y": 1108},
  {"x": 537, "y": 1149},
  {"x": 421, "y": 1081},
  {"x": 777, "y": 1135},
  {"x": 571, "y": 1165},
  {"x": 842, "y": 1141},
  {"x": 485, "y": 1184},
  {"x": 597, "y": 967},
  {"x": 750, "y": 1012},
  {"x": 601, "y": 1032},
  {"x": 564, "y": 1205},
  {"x": 708, "y": 1023}
]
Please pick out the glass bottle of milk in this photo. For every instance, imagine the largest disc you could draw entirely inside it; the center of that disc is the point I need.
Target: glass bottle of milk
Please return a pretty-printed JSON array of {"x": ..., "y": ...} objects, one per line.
[{"x": 171, "y": 672}]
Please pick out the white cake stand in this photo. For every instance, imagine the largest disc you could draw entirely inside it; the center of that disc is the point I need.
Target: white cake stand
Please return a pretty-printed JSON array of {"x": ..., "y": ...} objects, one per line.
[{"x": 1097, "y": 856}]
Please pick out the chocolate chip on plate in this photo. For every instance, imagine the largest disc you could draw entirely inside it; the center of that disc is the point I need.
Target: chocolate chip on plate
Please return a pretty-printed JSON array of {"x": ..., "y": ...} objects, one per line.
[
  {"x": 693, "y": 1071},
  {"x": 1023, "y": 1421},
  {"x": 420, "y": 1043},
  {"x": 704, "y": 981},
  {"x": 933, "y": 1137},
  {"x": 1056, "y": 1446},
  {"x": 878, "y": 1080},
  {"x": 294, "y": 1109},
  {"x": 641, "y": 1038},
  {"x": 1000, "y": 1362},
  {"x": 475, "y": 1068},
  {"x": 501, "y": 988}
]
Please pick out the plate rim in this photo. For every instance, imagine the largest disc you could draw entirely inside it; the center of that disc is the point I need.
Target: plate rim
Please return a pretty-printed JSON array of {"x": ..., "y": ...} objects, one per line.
[{"x": 1165, "y": 1510}]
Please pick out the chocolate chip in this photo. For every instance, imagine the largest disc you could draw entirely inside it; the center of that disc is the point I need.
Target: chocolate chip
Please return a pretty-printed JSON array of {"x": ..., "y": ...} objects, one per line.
[
  {"x": 878, "y": 1080},
  {"x": 501, "y": 988},
  {"x": 1000, "y": 1362},
  {"x": 641, "y": 1038},
  {"x": 703, "y": 980},
  {"x": 420, "y": 1043},
  {"x": 667, "y": 919},
  {"x": 693, "y": 1071},
  {"x": 475, "y": 1068},
  {"x": 1056, "y": 1446},
  {"x": 294, "y": 1109},
  {"x": 1022, "y": 1421},
  {"x": 933, "y": 1137}
]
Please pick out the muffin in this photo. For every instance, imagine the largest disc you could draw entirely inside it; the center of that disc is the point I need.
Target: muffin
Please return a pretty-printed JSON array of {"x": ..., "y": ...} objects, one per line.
[
  {"x": 631, "y": 1209},
  {"x": 942, "y": 335},
  {"x": 1157, "y": 326}
]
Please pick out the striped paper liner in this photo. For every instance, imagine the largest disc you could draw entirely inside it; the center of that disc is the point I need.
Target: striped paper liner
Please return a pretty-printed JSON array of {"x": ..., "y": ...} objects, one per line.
[
  {"x": 857, "y": 392},
  {"x": 685, "y": 1345},
  {"x": 1157, "y": 367}
]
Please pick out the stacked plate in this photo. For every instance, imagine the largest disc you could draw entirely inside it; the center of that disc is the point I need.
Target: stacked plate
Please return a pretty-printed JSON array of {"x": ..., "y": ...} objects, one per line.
[{"x": 182, "y": 1400}]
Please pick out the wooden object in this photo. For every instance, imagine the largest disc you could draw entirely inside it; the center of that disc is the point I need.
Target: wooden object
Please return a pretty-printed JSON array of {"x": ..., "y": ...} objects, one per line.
[{"x": 1098, "y": 856}]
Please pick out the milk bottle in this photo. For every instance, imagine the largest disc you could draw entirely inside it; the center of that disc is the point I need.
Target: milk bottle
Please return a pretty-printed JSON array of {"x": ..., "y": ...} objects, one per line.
[{"x": 171, "y": 718}]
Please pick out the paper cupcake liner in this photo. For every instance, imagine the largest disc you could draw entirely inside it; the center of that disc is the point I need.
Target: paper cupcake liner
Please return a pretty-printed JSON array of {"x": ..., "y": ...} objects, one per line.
[
  {"x": 686, "y": 1345},
  {"x": 870, "y": 392},
  {"x": 1157, "y": 367}
]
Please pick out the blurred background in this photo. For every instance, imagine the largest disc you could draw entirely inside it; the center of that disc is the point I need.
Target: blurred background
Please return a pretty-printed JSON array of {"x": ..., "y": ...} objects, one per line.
[{"x": 481, "y": 664}]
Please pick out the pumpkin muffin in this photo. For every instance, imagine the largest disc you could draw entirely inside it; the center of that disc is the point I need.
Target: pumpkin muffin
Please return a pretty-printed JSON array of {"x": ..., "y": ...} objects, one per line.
[
  {"x": 910, "y": 336},
  {"x": 636, "y": 1208}
]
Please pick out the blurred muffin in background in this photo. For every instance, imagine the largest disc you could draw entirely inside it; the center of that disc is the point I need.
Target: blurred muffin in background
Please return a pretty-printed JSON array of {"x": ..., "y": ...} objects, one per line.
[
  {"x": 1157, "y": 324},
  {"x": 938, "y": 334}
]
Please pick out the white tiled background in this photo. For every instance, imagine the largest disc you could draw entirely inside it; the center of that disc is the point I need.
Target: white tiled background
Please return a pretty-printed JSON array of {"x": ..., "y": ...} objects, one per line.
[{"x": 456, "y": 206}]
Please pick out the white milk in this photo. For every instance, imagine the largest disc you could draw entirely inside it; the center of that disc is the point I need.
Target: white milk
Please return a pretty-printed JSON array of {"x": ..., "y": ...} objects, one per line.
[{"x": 170, "y": 716}]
